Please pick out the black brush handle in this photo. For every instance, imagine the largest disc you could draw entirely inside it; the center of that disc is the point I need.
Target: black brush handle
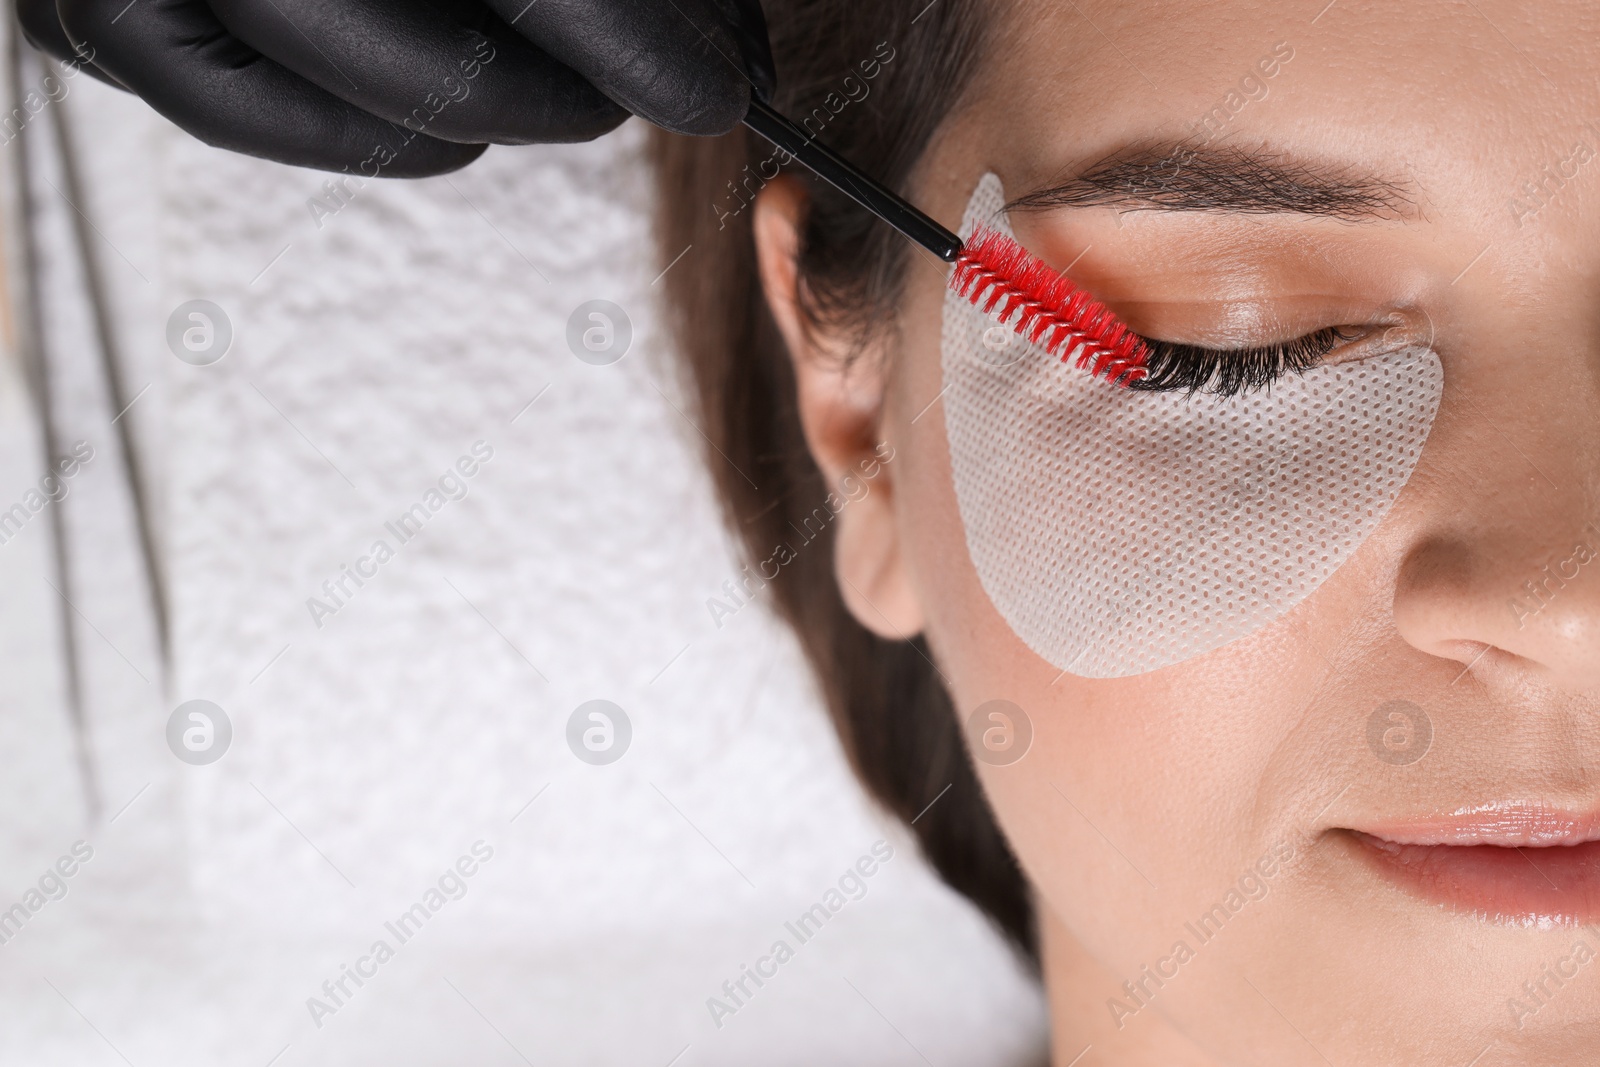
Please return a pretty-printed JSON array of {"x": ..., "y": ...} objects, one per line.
[{"x": 843, "y": 175}]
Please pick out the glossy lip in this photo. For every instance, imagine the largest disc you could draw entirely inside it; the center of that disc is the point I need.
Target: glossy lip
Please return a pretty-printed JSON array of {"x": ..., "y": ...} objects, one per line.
[
  {"x": 1528, "y": 864},
  {"x": 1505, "y": 824}
]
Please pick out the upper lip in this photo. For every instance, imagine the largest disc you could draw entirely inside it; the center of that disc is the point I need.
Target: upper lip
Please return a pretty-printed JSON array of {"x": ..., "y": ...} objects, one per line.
[{"x": 1508, "y": 824}]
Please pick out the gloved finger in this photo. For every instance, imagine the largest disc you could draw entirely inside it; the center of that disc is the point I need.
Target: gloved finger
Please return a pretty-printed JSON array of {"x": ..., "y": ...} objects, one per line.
[
  {"x": 41, "y": 27},
  {"x": 676, "y": 63},
  {"x": 749, "y": 25},
  {"x": 454, "y": 71},
  {"x": 185, "y": 64}
]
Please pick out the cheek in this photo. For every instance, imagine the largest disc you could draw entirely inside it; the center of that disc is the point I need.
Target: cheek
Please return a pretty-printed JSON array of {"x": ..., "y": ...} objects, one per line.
[
  {"x": 1149, "y": 760},
  {"x": 1158, "y": 776},
  {"x": 1139, "y": 797}
]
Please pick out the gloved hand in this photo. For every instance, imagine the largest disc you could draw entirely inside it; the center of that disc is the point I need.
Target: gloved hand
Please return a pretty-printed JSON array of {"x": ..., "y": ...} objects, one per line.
[{"x": 408, "y": 88}]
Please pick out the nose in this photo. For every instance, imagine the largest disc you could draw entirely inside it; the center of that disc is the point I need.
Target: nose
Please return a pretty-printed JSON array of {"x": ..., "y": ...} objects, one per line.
[
  {"x": 1501, "y": 569},
  {"x": 1498, "y": 599}
]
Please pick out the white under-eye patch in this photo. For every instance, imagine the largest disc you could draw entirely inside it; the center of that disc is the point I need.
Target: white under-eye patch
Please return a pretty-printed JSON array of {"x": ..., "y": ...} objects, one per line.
[{"x": 1118, "y": 532}]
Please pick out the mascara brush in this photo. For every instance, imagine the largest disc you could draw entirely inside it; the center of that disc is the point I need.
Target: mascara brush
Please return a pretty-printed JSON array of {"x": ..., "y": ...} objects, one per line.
[{"x": 992, "y": 271}]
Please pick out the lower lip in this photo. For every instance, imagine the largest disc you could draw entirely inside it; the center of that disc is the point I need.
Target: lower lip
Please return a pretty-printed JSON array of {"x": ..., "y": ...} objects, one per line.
[{"x": 1550, "y": 885}]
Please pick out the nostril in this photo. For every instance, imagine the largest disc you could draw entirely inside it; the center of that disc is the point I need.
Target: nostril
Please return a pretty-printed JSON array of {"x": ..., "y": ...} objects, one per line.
[{"x": 1496, "y": 607}]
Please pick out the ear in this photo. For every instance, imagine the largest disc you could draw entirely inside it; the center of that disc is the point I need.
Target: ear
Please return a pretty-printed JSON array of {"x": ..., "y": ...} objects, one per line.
[{"x": 841, "y": 396}]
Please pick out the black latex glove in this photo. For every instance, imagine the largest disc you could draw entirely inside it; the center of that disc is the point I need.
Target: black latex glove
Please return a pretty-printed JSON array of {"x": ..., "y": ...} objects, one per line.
[{"x": 408, "y": 88}]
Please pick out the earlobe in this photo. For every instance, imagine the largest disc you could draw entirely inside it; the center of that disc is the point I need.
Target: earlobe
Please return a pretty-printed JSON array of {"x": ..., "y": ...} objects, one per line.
[{"x": 840, "y": 394}]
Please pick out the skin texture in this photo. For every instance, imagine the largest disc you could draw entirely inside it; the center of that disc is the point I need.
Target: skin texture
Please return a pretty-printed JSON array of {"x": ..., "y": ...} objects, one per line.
[{"x": 1144, "y": 800}]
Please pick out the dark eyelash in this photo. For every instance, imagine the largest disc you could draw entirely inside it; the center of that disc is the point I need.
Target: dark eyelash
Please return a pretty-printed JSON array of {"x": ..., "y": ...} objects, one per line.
[{"x": 1227, "y": 372}]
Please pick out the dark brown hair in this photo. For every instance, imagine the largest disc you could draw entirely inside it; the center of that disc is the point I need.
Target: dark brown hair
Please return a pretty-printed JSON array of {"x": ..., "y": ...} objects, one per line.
[{"x": 873, "y": 80}]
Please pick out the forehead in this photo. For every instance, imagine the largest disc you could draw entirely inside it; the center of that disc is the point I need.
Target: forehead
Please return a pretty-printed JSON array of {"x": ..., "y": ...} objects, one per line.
[{"x": 1466, "y": 100}]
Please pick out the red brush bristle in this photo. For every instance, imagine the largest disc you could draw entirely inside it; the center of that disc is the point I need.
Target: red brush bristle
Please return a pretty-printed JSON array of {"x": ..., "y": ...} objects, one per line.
[{"x": 1001, "y": 277}]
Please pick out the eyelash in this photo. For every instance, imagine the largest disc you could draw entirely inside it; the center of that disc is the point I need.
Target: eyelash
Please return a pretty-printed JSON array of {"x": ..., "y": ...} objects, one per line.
[{"x": 1230, "y": 371}]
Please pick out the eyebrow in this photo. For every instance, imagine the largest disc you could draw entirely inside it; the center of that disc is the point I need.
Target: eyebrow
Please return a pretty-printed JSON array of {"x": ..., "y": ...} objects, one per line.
[{"x": 1184, "y": 177}]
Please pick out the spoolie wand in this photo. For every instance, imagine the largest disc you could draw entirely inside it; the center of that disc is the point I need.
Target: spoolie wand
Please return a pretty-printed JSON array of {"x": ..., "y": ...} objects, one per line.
[{"x": 994, "y": 272}]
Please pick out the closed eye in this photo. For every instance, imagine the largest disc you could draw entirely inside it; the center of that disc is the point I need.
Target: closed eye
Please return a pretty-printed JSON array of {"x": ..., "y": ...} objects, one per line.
[{"x": 1172, "y": 367}]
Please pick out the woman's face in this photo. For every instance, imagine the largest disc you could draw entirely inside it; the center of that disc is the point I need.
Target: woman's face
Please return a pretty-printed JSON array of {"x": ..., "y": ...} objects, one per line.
[{"x": 1217, "y": 847}]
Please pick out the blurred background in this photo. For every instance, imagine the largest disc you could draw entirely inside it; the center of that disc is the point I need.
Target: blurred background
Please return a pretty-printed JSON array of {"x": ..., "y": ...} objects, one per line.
[{"x": 368, "y": 740}]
